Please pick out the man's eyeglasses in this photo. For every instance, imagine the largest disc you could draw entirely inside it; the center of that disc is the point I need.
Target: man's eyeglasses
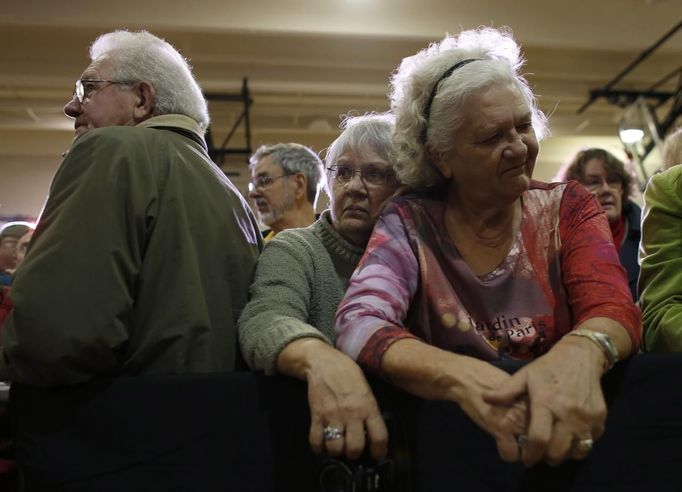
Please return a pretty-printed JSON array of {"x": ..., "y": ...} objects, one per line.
[
  {"x": 264, "y": 181},
  {"x": 371, "y": 175},
  {"x": 85, "y": 88},
  {"x": 595, "y": 184}
]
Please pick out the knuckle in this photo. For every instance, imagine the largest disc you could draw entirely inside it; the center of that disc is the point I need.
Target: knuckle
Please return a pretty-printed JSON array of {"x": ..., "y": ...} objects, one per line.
[
  {"x": 507, "y": 452},
  {"x": 600, "y": 414},
  {"x": 377, "y": 440},
  {"x": 353, "y": 452},
  {"x": 380, "y": 442},
  {"x": 529, "y": 459},
  {"x": 554, "y": 457},
  {"x": 351, "y": 406},
  {"x": 333, "y": 449},
  {"x": 536, "y": 440},
  {"x": 315, "y": 444}
]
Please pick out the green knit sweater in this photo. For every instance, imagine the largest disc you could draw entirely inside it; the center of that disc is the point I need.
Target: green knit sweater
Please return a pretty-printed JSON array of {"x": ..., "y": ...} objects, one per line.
[{"x": 300, "y": 280}]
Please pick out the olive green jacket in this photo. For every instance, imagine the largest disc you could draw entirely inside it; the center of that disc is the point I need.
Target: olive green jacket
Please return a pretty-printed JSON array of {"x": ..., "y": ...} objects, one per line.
[
  {"x": 660, "y": 279},
  {"x": 140, "y": 263}
]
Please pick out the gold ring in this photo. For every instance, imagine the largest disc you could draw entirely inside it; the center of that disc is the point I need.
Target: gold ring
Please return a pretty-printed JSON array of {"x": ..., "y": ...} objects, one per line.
[{"x": 583, "y": 446}]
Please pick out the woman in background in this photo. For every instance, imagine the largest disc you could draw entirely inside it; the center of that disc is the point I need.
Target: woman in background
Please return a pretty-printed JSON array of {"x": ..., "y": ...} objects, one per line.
[{"x": 605, "y": 176}]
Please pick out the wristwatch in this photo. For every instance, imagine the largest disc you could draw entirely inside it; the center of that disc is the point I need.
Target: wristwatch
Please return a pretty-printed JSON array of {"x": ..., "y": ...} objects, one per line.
[{"x": 603, "y": 341}]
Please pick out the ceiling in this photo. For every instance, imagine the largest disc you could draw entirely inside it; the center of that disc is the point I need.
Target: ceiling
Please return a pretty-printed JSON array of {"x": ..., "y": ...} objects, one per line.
[{"x": 310, "y": 61}]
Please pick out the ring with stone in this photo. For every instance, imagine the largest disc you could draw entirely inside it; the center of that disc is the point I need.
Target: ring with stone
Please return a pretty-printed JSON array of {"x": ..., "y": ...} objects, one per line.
[
  {"x": 332, "y": 433},
  {"x": 583, "y": 445},
  {"x": 522, "y": 441}
]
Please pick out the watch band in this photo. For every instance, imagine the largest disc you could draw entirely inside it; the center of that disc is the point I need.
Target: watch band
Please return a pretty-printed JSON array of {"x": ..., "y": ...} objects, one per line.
[{"x": 603, "y": 341}]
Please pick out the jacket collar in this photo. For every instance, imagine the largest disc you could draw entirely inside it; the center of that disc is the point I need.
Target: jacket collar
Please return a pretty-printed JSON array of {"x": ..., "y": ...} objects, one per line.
[
  {"x": 179, "y": 123},
  {"x": 173, "y": 120}
]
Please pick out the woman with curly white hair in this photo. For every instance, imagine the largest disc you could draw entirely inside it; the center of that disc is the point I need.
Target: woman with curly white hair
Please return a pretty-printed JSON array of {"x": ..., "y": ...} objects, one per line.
[{"x": 484, "y": 264}]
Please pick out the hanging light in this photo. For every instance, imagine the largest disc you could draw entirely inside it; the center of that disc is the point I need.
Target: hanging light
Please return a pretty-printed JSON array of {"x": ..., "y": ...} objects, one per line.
[
  {"x": 633, "y": 124},
  {"x": 630, "y": 135},
  {"x": 638, "y": 130}
]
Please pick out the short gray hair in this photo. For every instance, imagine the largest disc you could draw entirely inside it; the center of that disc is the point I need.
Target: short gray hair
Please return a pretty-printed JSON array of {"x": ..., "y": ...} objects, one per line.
[
  {"x": 137, "y": 56},
  {"x": 371, "y": 130},
  {"x": 294, "y": 158},
  {"x": 497, "y": 59}
]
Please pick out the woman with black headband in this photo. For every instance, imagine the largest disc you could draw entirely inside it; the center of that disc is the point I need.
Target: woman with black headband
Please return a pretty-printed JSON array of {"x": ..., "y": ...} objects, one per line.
[{"x": 485, "y": 264}]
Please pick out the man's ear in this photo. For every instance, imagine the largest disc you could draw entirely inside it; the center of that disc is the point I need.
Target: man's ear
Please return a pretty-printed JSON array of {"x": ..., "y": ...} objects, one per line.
[
  {"x": 146, "y": 95},
  {"x": 438, "y": 160},
  {"x": 301, "y": 186}
]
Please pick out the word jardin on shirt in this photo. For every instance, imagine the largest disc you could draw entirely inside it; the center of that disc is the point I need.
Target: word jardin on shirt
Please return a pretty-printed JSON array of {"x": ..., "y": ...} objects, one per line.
[{"x": 517, "y": 330}]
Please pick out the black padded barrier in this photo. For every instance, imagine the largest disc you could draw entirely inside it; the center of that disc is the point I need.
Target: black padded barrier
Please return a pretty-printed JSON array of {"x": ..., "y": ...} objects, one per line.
[{"x": 248, "y": 432}]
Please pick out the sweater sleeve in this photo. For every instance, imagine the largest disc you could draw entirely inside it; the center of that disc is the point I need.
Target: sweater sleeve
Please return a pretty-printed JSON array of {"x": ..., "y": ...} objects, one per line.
[
  {"x": 592, "y": 273},
  {"x": 278, "y": 309},
  {"x": 73, "y": 294},
  {"x": 370, "y": 317},
  {"x": 660, "y": 281}
]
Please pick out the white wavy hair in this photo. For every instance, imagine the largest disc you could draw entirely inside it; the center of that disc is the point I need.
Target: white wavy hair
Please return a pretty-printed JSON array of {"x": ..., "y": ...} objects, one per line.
[
  {"x": 498, "y": 60},
  {"x": 142, "y": 56},
  {"x": 370, "y": 130}
]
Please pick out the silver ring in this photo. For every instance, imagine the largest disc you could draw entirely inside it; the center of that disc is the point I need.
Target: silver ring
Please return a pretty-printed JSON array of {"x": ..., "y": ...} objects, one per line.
[
  {"x": 521, "y": 441},
  {"x": 332, "y": 433},
  {"x": 584, "y": 445}
]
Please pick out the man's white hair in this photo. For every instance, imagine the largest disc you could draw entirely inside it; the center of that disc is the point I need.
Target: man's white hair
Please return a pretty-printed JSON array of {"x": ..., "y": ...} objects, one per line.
[{"x": 136, "y": 56}]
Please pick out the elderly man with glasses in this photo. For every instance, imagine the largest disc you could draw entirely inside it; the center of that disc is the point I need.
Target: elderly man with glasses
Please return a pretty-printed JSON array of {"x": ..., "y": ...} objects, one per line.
[
  {"x": 142, "y": 257},
  {"x": 285, "y": 183}
]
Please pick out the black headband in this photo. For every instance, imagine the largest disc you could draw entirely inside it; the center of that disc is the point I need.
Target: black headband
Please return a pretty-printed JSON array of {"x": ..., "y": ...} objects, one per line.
[{"x": 429, "y": 101}]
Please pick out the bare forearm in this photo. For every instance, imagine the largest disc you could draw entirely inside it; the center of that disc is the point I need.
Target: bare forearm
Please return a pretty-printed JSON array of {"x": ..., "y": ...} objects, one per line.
[
  {"x": 301, "y": 357},
  {"x": 426, "y": 371}
]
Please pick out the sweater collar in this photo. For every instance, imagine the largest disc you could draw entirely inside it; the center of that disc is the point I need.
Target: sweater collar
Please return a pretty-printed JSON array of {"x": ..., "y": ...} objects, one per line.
[{"x": 334, "y": 242}]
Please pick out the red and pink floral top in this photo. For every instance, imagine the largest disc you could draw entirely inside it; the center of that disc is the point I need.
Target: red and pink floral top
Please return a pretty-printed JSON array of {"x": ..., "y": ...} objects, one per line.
[{"x": 561, "y": 270}]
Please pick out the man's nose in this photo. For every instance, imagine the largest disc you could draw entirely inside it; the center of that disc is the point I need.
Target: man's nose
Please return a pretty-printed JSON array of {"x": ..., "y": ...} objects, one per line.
[
  {"x": 254, "y": 192},
  {"x": 73, "y": 108}
]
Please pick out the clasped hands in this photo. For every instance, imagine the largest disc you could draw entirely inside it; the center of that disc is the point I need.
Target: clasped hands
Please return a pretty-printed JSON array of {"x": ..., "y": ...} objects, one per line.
[{"x": 551, "y": 410}]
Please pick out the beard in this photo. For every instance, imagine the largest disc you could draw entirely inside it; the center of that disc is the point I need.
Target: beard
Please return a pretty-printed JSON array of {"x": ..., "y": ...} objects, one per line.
[{"x": 275, "y": 213}]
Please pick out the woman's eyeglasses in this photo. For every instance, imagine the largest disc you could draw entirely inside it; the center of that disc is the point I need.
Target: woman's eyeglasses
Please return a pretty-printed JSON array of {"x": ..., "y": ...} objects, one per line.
[{"x": 369, "y": 175}]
